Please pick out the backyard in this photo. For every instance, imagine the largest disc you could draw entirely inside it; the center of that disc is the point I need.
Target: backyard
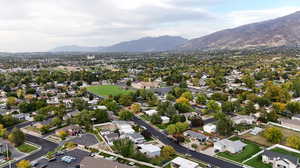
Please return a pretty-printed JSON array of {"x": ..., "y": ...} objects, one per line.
[
  {"x": 257, "y": 163},
  {"x": 107, "y": 90}
]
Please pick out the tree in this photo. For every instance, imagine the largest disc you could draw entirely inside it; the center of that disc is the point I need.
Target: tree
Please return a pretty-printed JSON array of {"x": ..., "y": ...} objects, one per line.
[
  {"x": 182, "y": 100},
  {"x": 249, "y": 81},
  {"x": 135, "y": 108},
  {"x": 124, "y": 146},
  {"x": 213, "y": 107},
  {"x": 296, "y": 87},
  {"x": 147, "y": 134},
  {"x": 56, "y": 122},
  {"x": 24, "y": 164},
  {"x": 155, "y": 119},
  {"x": 171, "y": 129},
  {"x": 196, "y": 121},
  {"x": 181, "y": 126},
  {"x": 16, "y": 137},
  {"x": 273, "y": 134},
  {"x": 167, "y": 152},
  {"x": 3, "y": 131},
  {"x": 293, "y": 141},
  {"x": 225, "y": 126},
  {"x": 11, "y": 101},
  {"x": 293, "y": 107},
  {"x": 188, "y": 95},
  {"x": 62, "y": 134},
  {"x": 125, "y": 115},
  {"x": 126, "y": 99},
  {"x": 250, "y": 108},
  {"x": 201, "y": 99},
  {"x": 277, "y": 94}
]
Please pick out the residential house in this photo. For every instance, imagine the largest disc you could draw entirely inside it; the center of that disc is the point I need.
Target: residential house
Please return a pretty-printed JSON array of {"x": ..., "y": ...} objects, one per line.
[
  {"x": 72, "y": 130},
  {"x": 149, "y": 149},
  {"x": 180, "y": 162},
  {"x": 151, "y": 112},
  {"x": 256, "y": 131},
  {"x": 41, "y": 124},
  {"x": 243, "y": 119},
  {"x": 279, "y": 160},
  {"x": 165, "y": 119},
  {"x": 71, "y": 114},
  {"x": 195, "y": 135},
  {"x": 124, "y": 127},
  {"x": 137, "y": 138},
  {"x": 230, "y": 146},
  {"x": 210, "y": 128}
]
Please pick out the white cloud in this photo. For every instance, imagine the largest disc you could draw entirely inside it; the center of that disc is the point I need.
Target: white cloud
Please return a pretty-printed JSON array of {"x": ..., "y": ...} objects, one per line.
[
  {"x": 238, "y": 18},
  {"x": 38, "y": 25}
]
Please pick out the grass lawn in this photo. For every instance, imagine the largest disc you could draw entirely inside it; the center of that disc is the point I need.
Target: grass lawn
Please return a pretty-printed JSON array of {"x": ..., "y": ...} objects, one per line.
[
  {"x": 26, "y": 148},
  {"x": 249, "y": 150},
  {"x": 283, "y": 151},
  {"x": 107, "y": 90},
  {"x": 257, "y": 163}
]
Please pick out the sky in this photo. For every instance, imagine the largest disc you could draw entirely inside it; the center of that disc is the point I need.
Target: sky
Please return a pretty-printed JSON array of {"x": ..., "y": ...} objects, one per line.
[{"x": 40, "y": 25}]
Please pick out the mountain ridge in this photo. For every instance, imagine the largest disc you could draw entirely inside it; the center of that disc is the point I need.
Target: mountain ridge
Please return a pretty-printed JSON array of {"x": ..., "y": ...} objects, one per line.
[
  {"x": 282, "y": 31},
  {"x": 145, "y": 44}
]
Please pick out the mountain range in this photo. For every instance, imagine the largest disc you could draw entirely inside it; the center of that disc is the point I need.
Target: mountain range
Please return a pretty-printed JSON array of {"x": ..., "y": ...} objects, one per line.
[
  {"x": 283, "y": 31},
  {"x": 146, "y": 44}
]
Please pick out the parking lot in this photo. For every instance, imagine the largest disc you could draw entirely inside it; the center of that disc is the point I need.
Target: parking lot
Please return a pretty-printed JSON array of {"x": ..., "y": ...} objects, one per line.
[{"x": 58, "y": 163}]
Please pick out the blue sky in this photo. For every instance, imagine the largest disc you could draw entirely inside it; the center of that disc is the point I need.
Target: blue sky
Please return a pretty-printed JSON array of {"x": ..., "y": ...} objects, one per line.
[{"x": 39, "y": 25}]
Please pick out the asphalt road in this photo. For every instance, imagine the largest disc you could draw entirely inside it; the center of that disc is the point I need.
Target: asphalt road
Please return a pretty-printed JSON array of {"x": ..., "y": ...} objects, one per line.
[
  {"x": 183, "y": 150},
  {"x": 46, "y": 145}
]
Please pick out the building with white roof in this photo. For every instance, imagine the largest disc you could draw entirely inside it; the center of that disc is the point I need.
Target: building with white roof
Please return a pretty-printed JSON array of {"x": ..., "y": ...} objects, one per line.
[
  {"x": 165, "y": 119},
  {"x": 124, "y": 127},
  {"x": 150, "y": 150},
  {"x": 210, "y": 128},
  {"x": 151, "y": 112},
  {"x": 243, "y": 119},
  {"x": 183, "y": 163},
  {"x": 230, "y": 146}
]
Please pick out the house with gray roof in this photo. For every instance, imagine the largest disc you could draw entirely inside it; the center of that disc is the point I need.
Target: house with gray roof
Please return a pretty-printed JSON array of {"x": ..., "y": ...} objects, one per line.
[
  {"x": 195, "y": 135},
  {"x": 279, "y": 160}
]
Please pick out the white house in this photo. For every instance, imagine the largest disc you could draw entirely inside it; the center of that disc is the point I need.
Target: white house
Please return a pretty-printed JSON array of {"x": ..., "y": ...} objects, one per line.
[
  {"x": 137, "y": 138},
  {"x": 149, "y": 149},
  {"x": 165, "y": 119},
  {"x": 151, "y": 112},
  {"x": 230, "y": 146},
  {"x": 183, "y": 163},
  {"x": 210, "y": 128},
  {"x": 279, "y": 160},
  {"x": 243, "y": 119},
  {"x": 124, "y": 127},
  {"x": 256, "y": 131}
]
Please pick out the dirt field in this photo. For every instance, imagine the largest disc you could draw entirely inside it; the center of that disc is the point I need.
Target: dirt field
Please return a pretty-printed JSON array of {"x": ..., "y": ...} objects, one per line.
[{"x": 259, "y": 139}]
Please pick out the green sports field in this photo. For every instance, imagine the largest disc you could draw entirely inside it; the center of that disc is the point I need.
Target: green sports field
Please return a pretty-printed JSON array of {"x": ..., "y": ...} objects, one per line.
[{"x": 107, "y": 90}]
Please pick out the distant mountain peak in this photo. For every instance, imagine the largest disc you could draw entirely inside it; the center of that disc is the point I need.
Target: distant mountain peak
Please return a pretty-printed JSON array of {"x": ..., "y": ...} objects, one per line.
[
  {"x": 283, "y": 31},
  {"x": 145, "y": 44}
]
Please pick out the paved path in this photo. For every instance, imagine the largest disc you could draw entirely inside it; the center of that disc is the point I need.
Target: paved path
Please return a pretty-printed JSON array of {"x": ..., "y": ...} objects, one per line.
[{"x": 180, "y": 149}]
